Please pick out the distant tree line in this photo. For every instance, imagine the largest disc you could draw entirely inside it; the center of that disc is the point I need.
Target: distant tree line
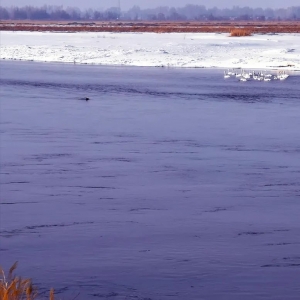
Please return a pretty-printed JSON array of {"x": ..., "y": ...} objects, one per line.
[
  {"x": 163, "y": 13},
  {"x": 49, "y": 12}
]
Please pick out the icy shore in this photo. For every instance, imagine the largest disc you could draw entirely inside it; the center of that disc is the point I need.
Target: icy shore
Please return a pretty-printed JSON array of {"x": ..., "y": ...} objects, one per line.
[{"x": 192, "y": 50}]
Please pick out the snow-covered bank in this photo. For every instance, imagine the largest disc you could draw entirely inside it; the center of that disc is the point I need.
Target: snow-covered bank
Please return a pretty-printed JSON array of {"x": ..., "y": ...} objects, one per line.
[{"x": 204, "y": 50}]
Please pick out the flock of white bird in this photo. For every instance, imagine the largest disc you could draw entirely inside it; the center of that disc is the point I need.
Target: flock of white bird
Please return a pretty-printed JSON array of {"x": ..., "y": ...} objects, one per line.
[{"x": 252, "y": 75}]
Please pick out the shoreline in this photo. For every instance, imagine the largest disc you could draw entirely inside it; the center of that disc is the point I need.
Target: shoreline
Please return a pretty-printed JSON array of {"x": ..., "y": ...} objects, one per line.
[{"x": 210, "y": 69}]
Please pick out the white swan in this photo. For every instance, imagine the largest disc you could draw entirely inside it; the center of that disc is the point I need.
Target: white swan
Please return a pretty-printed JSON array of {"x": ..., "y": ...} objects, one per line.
[
  {"x": 283, "y": 76},
  {"x": 226, "y": 75},
  {"x": 230, "y": 72}
]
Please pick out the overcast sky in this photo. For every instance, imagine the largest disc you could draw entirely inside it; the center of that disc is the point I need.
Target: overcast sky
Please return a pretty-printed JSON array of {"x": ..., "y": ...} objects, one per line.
[{"x": 125, "y": 4}]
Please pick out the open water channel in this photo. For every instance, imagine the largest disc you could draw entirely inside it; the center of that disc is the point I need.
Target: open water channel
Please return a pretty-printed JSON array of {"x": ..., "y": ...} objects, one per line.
[{"x": 166, "y": 184}]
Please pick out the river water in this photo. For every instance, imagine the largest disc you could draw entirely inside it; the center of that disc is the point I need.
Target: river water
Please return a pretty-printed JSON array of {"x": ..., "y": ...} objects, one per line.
[{"x": 167, "y": 184}]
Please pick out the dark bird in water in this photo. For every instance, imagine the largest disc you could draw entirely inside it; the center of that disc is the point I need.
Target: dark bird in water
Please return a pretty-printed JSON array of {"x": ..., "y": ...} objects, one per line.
[{"x": 87, "y": 99}]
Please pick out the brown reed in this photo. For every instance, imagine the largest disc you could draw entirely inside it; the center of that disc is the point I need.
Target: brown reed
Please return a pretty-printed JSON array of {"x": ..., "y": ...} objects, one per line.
[
  {"x": 15, "y": 288},
  {"x": 255, "y": 27},
  {"x": 238, "y": 32}
]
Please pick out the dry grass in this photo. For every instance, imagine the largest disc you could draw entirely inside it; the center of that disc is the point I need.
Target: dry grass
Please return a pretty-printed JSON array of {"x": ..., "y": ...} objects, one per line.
[
  {"x": 16, "y": 288},
  {"x": 255, "y": 27},
  {"x": 237, "y": 32}
]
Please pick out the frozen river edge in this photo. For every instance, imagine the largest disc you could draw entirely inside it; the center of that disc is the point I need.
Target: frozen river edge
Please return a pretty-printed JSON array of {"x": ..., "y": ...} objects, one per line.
[{"x": 183, "y": 50}]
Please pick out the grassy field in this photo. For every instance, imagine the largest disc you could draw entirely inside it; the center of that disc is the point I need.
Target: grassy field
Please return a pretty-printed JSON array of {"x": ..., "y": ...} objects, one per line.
[{"x": 156, "y": 27}]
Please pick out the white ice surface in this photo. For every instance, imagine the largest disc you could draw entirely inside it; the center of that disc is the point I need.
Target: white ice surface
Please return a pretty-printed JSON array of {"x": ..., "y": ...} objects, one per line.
[{"x": 151, "y": 49}]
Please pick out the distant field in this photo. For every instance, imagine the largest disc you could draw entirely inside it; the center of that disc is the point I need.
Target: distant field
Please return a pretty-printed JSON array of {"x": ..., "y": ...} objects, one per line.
[{"x": 158, "y": 27}]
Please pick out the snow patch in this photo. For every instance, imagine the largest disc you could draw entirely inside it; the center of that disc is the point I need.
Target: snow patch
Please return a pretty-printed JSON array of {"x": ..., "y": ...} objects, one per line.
[{"x": 190, "y": 50}]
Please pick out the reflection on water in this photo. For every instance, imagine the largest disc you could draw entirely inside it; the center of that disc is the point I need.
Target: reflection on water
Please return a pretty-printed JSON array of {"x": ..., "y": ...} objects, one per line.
[{"x": 167, "y": 184}]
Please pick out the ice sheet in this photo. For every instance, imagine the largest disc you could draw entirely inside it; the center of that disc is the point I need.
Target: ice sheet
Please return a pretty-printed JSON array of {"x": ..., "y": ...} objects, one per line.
[{"x": 193, "y": 50}]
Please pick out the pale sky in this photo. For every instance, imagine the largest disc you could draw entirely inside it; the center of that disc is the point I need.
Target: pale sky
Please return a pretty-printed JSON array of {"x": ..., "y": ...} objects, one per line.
[{"x": 125, "y": 4}]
